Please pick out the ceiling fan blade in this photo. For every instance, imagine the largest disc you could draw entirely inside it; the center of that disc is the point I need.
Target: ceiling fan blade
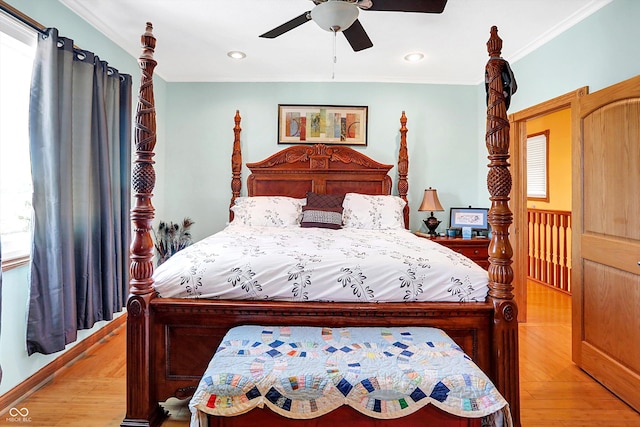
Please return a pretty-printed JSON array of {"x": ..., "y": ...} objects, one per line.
[
  {"x": 287, "y": 26},
  {"x": 357, "y": 36},
  {"x": 423, "y": 6}
]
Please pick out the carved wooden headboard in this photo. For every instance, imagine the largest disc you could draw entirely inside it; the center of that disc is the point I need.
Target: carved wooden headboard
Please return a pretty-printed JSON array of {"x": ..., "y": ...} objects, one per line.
[
  {"x": 324, "y": 169},
  {"x": 319, "y": 168}
]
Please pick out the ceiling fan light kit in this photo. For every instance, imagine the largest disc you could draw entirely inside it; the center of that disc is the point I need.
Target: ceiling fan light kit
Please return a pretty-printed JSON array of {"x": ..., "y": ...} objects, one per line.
[{"x": 335, "y": 15}]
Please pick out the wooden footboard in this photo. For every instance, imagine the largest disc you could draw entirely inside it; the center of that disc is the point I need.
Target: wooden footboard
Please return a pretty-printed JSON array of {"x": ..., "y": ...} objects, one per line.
[{"x": 187, "y": 332}]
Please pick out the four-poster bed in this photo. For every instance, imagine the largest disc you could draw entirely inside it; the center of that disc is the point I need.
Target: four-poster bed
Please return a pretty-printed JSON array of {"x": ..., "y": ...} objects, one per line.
[{"x": 170, "y": 340}]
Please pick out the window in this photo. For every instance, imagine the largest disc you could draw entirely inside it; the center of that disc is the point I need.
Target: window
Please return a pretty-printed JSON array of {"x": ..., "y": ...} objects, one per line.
[
  {"x": 538, "y": 166},
  {"x": 17, "y": 51}
]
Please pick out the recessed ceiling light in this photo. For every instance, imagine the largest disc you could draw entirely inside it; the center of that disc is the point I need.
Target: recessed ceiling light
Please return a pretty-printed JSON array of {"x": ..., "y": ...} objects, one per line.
[
  {"x": 236, "y": 54},
  {"x": 414, "y": 57}
]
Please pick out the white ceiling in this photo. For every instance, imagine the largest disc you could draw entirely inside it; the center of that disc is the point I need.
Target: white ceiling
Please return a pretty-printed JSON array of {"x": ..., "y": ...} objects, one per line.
[{"x": 194, "y": 36}]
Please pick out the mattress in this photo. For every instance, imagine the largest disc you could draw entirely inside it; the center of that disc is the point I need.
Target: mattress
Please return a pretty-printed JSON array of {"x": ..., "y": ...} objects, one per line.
[{"x": 314, "y": 264}]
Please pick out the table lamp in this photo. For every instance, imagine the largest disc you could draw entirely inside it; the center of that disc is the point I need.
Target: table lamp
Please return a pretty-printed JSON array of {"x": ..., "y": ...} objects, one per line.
[{"x": 430, "y": 203}]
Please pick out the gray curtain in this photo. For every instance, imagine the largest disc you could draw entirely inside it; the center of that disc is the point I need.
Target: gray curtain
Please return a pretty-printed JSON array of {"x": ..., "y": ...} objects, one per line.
[
  {"x": 0, "y": 303},
  {"x": 80, "y": 144}
]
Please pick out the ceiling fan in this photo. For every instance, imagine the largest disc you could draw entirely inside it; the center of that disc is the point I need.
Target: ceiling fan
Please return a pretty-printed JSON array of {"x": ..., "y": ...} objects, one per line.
[{"x": 342, "y": 15}]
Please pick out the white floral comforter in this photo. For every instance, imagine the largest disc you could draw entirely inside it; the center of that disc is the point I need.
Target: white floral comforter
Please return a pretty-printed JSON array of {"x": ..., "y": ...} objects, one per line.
[{"x": 315, "y": 264}]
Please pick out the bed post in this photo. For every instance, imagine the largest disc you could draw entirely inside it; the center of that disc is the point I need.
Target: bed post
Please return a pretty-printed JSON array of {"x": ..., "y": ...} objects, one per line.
[
  {"x": 236, "y": 164},
  {"x": 141, "y": 409},
  {"x": 403, "y": 168},
  {"x": 505, "y": 330}
]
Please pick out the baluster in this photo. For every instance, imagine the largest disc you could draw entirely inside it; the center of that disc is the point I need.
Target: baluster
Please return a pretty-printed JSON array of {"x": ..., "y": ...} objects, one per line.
[
  {"x": 557, "y": 280},
  {"x": 567, "y": 269},
  {"x": 530, "y": 246},
  {"x": 539, "y": 246},
  {"x": 551, "y": 250}
]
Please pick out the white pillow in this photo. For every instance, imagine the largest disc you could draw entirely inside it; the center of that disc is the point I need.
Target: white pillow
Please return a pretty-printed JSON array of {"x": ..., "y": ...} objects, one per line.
[
  {"x": 373, "y": 212},
  {"x": 267, "y": 211}
]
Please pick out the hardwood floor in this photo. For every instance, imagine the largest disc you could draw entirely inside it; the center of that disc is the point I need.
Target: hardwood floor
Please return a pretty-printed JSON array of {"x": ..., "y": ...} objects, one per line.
[{"x": 554, "y": 392}]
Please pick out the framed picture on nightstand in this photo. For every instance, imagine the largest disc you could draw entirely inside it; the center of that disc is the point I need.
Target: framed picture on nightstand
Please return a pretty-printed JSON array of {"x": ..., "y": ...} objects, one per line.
[{"x": 475, "y": 218}]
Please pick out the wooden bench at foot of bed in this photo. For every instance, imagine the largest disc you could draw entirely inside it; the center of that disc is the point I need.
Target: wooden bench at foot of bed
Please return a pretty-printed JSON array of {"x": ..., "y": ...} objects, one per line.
[{"x": 311, "y": 375}]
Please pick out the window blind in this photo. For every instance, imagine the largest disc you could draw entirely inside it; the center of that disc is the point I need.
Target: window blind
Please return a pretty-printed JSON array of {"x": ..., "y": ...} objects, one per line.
[{"x": 537, "y": 166}]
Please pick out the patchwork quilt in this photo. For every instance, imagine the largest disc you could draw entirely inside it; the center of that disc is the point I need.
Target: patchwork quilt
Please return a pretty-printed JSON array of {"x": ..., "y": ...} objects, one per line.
[
  {"x": 315, "y": 264},
  {"x": 305, "y": 372}
]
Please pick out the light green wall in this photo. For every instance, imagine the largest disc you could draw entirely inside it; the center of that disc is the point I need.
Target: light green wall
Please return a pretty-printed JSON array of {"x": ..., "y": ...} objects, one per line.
[
  {"x": 441, "y": 138},
  {"x": 446, "y": 130},
  {"x": 601, "y": 50}
]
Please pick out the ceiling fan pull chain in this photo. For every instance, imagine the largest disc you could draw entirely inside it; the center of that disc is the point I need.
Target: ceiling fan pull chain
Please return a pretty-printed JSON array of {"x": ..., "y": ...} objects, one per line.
[{"x": 335, "y": 57}]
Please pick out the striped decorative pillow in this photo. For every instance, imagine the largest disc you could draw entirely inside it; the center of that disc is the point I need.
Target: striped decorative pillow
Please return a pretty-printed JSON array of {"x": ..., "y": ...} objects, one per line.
[{"x": 321, "y": 217}]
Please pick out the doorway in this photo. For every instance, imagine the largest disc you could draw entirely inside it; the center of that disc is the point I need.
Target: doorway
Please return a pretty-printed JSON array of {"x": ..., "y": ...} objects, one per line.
[
  {"x": 518, "y": 136},
  {"x": 549, "y": 199}
]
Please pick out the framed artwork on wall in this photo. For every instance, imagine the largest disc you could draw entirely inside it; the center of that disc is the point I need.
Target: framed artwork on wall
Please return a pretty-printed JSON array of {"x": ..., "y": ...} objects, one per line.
[
  {"x": 322, "y": 124},
  {"x": 474, "y": 218}
]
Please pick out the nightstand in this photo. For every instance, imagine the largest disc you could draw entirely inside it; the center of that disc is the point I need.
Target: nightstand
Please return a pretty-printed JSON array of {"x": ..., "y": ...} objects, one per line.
[{"x": 476, "y": 248}]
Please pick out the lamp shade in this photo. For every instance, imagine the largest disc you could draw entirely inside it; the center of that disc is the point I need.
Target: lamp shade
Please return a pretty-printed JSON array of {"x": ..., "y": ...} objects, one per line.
[
  {"x": 430, "y": 201},
  {"x": 335, "y": 15}
]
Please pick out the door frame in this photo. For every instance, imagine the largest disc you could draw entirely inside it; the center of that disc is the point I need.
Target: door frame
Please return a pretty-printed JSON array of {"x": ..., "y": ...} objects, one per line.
[{"x": 520, "y": 228}]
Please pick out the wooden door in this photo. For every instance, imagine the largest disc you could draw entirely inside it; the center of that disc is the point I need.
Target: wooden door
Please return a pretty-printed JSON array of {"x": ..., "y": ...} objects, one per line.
[{"x": 606, "y": 239}]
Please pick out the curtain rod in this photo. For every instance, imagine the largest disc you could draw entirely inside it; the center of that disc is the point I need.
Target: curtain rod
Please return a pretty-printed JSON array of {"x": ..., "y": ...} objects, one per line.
[{"x": 25, "y": 19}]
